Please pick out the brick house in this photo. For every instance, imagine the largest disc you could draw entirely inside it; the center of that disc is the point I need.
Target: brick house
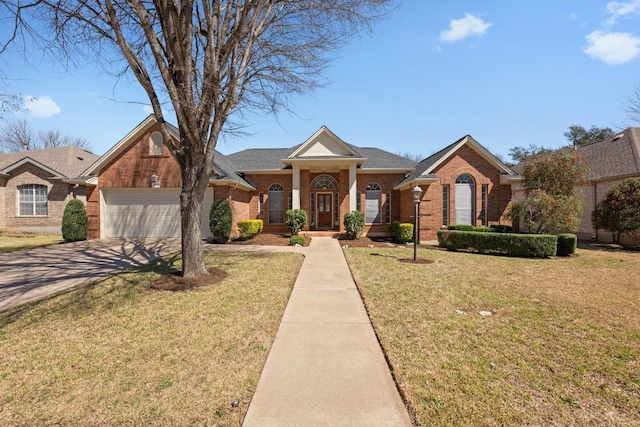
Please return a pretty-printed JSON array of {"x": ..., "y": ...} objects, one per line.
[
  {"x": 133, "y": 189},
  {"x": 611, "y": 161},
  {"x": 36, "y": 185}
]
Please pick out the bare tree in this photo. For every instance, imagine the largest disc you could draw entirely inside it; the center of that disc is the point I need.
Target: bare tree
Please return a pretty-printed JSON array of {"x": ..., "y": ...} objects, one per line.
[
  {"x": 632, "y": 105},
  {"x": 211, "y": 60},
  {"x": 18, "y": 135}
]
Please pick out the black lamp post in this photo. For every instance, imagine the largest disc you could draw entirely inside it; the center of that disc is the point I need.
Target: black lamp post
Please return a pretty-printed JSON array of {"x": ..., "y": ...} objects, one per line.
[{"x": 417, "y": 195}]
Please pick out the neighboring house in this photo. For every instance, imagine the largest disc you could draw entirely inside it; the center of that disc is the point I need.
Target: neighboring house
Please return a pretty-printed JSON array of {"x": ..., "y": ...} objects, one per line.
[
  {"x": 611, "y": 161},
  {"x": 34, "y": 186},
  {"x": 133, "y": 190}
]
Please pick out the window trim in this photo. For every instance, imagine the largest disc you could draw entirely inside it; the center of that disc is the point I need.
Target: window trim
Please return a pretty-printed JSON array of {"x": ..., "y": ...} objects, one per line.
[
  {"x": 273, "y": 190},
  {"x": 371, "y": 188},
  {"x": 34, "y": 202}
]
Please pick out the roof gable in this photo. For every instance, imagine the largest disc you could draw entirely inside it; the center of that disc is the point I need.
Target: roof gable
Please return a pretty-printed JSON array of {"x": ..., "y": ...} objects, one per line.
[
  {"x": 66, "y": 161},
  {"x": 26, "y": 160},
  {"x": 324, "y": 143}
]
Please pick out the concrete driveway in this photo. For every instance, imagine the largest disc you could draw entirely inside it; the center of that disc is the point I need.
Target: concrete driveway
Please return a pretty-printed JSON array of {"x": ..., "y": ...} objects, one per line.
[{"x": 35, "y": 273}]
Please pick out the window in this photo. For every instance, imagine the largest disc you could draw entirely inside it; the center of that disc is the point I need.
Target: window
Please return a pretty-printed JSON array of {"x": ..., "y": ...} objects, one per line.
[
  {"x": 155, "y": 144},
  {"x": 324, "y": 182},
  {"x": 32, "y": 200},
  {"x": 372, "y": 204},
  {"x": 276, "y": 204},
  {"x": 445, "y": 204},
  {"x": 388, "y": 204},
  {"x": 260, "y": 204},
  {"x": 336, "y": 209},
  {"x": 465, "y": 200},
  {"x": 485, "y": 197},
  {"x": 358, "y": 201},
  {"x": 290, "y": 200}
]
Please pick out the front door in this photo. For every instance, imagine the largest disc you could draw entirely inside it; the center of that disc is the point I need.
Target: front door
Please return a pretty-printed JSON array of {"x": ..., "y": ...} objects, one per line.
[{"x": 325, "y": 217}]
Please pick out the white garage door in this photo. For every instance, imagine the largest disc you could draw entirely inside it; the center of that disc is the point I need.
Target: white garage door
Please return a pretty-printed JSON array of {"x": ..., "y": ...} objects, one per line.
[{"x": 147, "y": 213}]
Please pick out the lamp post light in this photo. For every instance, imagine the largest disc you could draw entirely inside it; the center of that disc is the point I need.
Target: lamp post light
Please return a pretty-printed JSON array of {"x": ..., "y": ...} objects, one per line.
[{"x": 417, "y": 195}]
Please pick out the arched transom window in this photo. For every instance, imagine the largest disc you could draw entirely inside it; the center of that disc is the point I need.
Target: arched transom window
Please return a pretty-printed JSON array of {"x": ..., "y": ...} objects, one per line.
[
  {"x": 276, "y": 204},
  {"x": 465, "y": 199},
  {"x": 372, "y": 213},
  {"x": 324, "y": 182},
  {"x": 155, "y": 144}
]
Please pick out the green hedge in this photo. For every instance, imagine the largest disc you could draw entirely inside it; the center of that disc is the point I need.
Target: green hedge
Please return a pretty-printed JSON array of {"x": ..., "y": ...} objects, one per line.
[
  {"x": 567, "y": 244},
  {"x": 523, "y": 245},
  {"x": 405, "y": 232},
  {"x": 496, "y": 228},
  {"x": 249, "y": 228}
]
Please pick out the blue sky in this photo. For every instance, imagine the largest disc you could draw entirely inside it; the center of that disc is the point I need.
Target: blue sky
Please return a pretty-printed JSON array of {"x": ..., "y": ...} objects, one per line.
[{"x": 509, "y": 73}]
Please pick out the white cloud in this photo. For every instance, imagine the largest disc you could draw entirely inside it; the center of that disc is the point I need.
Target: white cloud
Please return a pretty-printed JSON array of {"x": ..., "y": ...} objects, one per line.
[
  {"x": 612, "y": 48},
  {"x": 148, "y": 109},
  {"x": 465, "y": 27},
  {"x": 40, "y": 106},
  {"x": 618, "y": 9}
]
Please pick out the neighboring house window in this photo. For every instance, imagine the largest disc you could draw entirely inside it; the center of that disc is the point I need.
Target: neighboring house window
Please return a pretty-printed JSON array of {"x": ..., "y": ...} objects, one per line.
[
  {"x": 445, "y": 204},
  {"x": 485, "y": 198},
  {"x": 372, "y": 204},
  {"x": 276, "y": 204},
  {"x": 465, "y": 199},
  {"x": 388, "y": 204},
  {"x": 32, "y": 200},
  {"x": 155, "y": 144}
]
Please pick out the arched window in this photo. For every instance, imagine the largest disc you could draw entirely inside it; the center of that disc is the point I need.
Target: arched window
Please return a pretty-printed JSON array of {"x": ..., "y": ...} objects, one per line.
[
  {"x": 372, "y": 207},
  {"x": 32, "y": 200},
  {"x": 276, "y": 204},
  {"x": 465, "y": 199},
  {"x": 155, "y": 144},
  {"x": 324, "y": 182}
]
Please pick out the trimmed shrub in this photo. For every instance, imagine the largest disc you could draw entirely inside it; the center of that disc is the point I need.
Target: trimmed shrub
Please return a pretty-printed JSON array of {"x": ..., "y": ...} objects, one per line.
[
  {"x": 354, "y": 224},
  {"x": 250, "y": 228},
  {"x": 522, "y": 245},
  {"x": 405, "y": 232},
  {"x": 220, "y": 220},
  {"x": 75, "y": 222},
  {"x": 296, "y": 220},
  {"x": 567, "y": 243},
  {"x": 461, "y": 227},
  {"x": 499, "y": 228},
  {"x": 296, "y": 240}
]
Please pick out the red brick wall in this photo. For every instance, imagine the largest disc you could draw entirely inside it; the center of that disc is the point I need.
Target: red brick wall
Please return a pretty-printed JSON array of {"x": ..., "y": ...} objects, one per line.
[
  {"x": 262, "y": 182},
  {"x": 58, "y": 194},
  {"x": 133, "y": 169},
  {"x": 386, "y": 183},
  {"x": 465, "y": 160}
]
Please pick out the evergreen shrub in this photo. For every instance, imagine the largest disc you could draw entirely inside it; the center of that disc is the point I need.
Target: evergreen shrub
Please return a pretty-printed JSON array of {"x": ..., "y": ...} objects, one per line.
[
  {"x": 522, "y": 245},
  {"x": 75, "y": 222},
  {"x": 354, "y": 224},
  {"x": 220, "y": 220},
  {"x": 250, "y": 228}
]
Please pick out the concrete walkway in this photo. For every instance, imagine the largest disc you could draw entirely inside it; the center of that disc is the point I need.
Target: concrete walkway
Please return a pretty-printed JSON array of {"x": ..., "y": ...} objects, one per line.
[{"x": 326, "y": 367}]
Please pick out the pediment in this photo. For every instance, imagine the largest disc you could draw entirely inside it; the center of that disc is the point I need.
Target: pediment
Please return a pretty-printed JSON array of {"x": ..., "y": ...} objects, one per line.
[{"x": 324, "y": 143}]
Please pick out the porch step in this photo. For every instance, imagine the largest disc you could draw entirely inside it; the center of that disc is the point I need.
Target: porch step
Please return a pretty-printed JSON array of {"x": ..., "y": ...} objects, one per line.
[{"x": 327, "y": 233}]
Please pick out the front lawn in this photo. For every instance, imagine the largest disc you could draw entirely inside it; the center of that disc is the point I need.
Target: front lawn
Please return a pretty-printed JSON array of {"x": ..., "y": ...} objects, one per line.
[
  {"x": 27, "y": 241},
  {"x": 119, "y": 353},
  {"x": 562, "y": 347}
]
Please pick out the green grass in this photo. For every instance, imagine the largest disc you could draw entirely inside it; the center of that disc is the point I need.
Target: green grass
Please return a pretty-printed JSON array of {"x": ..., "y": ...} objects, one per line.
[
  {"x": 562, "y": 348},
  {"x": 118, "y": 353},
  {"x": 10, "y": 244}
]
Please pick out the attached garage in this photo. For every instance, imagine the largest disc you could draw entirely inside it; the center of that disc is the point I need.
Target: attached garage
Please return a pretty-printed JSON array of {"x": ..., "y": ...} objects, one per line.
[{"x": 146, "y": 213}]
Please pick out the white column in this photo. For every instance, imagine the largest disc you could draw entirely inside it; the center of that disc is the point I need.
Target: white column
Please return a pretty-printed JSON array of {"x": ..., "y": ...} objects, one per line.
[
  {"x": 352, "y": 187},
  {"x": 295, "y": 191}
]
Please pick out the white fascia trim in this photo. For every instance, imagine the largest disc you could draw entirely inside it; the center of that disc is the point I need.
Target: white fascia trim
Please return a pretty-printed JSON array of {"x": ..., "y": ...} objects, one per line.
[
  {"x": 328, "y": 162},
  {"x": 478, "y": 148},
  {"x": 92, "y": 181},
  {"x": 231, "y": 183},
  {"x": 323, "y": 129},
  {"x": 510, "y": 179},
  {"x": 417, "y": 181},
  {"x": 266, "y": 171},
  {"x": 26, "y": 160},
  {"x": 382, "y": 170}
]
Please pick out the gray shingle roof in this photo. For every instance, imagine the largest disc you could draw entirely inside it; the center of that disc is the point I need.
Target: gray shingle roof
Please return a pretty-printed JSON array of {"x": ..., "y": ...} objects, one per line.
[
  {"x": 613, "y": 157},
  {"x": 617, "y": 156},
  {"x": 271, "y": 159},
  {"x": 222, "y": 165},
  {"x": 68, "y": 161}
]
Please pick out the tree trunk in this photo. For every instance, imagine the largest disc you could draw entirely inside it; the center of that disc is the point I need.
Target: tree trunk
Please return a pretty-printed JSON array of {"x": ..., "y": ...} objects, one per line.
[{"x": 195, "y": 178}]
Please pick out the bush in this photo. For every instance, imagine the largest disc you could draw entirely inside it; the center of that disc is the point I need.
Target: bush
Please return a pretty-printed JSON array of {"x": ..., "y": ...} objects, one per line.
[
  {"x": 249, "y": 228},
  {"x": 75, "y": 222},
  {"x": 296, "y": 240},
  {"x": 499, "y": 228},
  {"x": 405, "y": 232},
  {"x": 220, "y": 220},
  {"x": 296, "y": 220},
  {"x": 566, "y": 244},
  {"x": 523, "y": 245},
  {"x": 354, "y": 224},
  {"x": 461, "y": 227}
]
